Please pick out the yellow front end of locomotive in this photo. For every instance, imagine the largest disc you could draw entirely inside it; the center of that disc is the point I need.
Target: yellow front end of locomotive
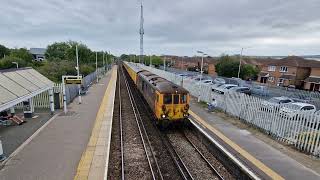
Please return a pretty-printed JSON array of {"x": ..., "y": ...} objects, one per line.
[{"x": 172, "y": 107}]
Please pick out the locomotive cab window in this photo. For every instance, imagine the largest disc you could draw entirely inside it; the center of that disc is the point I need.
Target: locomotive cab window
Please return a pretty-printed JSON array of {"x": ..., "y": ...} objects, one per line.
[
  {"x": 176, "y": 99},
  {"x": 167, "y": 99},
  {"x": 157, "y": 98},
  {"x": 183, "y": 98}
]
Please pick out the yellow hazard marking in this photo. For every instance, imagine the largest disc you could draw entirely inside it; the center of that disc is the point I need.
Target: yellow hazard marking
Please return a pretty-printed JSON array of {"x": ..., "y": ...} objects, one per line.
[
  {"x": 87, "y": 156},
  {"x": 237, "y": 148}
]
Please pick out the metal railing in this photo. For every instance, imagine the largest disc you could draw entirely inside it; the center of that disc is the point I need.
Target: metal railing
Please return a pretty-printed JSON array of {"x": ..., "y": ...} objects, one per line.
[{"x": 297, "y": 128}]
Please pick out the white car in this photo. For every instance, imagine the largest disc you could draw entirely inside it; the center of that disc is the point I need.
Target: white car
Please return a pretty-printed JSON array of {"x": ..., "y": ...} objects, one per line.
[
  {"x": 207, "y": 81},
  {"x": 275, "y": 102},
  {"x": 293, "y": 109},
  {"x": 224, "y": 88},
  {"x": 219, "y": 81}
]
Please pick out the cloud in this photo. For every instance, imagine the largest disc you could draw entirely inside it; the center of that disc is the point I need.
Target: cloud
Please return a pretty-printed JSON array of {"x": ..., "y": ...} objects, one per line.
[{"x": 274, "y": 27}]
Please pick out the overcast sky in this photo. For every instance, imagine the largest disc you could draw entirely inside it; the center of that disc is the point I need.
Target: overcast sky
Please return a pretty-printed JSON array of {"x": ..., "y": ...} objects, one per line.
[{"x": 181, "y": 27}]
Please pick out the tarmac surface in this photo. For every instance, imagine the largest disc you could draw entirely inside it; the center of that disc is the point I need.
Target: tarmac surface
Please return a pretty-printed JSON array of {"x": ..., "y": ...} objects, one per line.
[
  {"x": 13, "y": 136},
  {"x": 56, "y": 151},
  {"x": 279, "y": 162}
]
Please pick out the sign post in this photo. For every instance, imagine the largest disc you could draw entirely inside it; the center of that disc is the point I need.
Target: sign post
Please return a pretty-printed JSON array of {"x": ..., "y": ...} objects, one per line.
[{"x": 69, "y": 80}]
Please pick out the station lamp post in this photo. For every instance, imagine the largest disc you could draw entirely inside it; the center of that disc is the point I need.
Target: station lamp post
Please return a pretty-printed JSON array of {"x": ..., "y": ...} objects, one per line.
[{"x": 201, "y": 72}]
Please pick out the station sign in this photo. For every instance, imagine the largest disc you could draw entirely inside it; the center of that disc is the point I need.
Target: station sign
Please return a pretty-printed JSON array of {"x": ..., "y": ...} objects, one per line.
[{"x": 72, "y": 79}]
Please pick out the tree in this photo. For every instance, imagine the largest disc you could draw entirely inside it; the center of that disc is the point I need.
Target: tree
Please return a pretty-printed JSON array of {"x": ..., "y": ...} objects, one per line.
[
  {"x": 23, "y": 54},
  {"x": 4, "y": 51},
  {"x": 57, "y": 51},
  {"x": 229, "y": 66},
  {"x": 6, "y": 63}
]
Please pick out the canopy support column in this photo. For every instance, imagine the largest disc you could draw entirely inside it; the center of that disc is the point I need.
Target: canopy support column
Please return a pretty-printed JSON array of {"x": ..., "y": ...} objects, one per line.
[{"x": 51, "y": 100}]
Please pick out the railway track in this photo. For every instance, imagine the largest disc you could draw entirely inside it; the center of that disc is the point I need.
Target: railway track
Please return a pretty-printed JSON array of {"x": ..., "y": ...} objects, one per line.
[
  {"x": 182, "y": 168},
  {"x": 134, "y": 148},
  {"x": 139, "y": 150},
  {"x": 197, "y": 164}
]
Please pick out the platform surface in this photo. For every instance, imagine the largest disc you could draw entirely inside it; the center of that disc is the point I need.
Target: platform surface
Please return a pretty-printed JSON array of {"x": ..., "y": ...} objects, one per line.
[
  {"x": 270, "y": 160},
  {"x": 56, "y": 151}
]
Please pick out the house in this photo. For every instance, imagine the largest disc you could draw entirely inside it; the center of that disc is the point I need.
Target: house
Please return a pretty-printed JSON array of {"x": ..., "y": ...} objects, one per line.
[
  {"x": 312, "y": 83},
  {"x": 292, "y": 70},
  {"x": 38, "y": 53}
]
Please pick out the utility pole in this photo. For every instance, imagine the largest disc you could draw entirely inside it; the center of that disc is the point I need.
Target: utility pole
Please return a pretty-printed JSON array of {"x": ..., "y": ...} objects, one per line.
[
  {"x": 103, "y": 58},
  {"x": 240, "y": 63},
  {"x": 78, "y": 74},
  {"x": 97, "y": 67},
  {"x": 164, "y": 63},
  {"x": 141, "y": 33},
  {"x": 150, "y": 61}
]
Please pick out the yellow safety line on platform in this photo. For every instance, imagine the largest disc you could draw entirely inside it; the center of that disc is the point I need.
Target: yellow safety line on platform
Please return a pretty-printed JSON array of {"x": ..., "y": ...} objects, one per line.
[
  {"x": 237, "y": 148},
  {"x": 87, "y": 156}
]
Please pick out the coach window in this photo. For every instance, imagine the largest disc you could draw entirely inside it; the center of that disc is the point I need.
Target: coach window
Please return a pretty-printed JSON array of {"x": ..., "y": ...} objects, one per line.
[
  {"x": 176, "y": 99},
  {"x": 167, "y": 99},
  {"x": 157, "y": 98},
  {"x": 183, "y": 98}
]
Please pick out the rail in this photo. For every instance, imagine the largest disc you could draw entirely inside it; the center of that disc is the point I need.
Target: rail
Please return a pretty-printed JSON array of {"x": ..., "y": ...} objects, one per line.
[
  {"x": 140, "y": 126},
  {"x": 203, "y": 157}
]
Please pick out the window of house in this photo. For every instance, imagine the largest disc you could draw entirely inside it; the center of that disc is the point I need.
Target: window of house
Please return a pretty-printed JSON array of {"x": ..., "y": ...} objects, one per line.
[
  {"x": 283, "y": 69},
  {"x": 176, "y": 99},
  {"x": 271, "y": 68},
  {"x": 167, "y": 99},
  {"x": 271, "y": 79},
  {"x": 183, "y": 98}
]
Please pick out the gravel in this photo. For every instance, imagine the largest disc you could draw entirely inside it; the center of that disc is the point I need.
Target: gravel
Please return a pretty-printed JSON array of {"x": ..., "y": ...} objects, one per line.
[
  {"x": 210, "y": 157},
  {"x": 193, "y": 160}
]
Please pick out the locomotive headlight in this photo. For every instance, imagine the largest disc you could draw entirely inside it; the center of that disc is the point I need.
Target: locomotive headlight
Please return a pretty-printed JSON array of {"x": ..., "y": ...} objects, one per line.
[{"x": 163, "y": 115}]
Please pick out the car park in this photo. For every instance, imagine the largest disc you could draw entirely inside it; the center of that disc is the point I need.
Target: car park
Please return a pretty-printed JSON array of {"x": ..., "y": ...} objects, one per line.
[
  {"x": 224, "y": 88},
  {"x": 292, "y": 110}
]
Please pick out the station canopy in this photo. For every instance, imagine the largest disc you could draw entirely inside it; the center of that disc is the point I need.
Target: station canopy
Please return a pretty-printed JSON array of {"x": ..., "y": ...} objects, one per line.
[{"x": 18, "y": 85}]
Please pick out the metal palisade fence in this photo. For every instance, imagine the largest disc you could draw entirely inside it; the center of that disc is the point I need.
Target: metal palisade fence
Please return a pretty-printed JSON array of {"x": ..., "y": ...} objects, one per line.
[
  {"x": 42, "y": 100},
  {"x": 297, "y": 128}
]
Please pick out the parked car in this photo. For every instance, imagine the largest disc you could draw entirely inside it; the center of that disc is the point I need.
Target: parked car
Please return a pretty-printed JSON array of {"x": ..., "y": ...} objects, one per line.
[
  {"x": 207, "y": 81},
  {"x": 224, "y": 88},
  {"x": 215, "y": 86},
  {"x": 260, "y": 90},
  {"x": 293, "y": 109},
  {"x": 275, "y": 102},
  {"x": 219, "y": 81},
  {"x": 244, "y": 90}
]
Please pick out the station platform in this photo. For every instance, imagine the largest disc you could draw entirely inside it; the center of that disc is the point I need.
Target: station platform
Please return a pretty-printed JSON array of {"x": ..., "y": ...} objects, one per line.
[
  {"x": 67, "y": 145},
  {"x": 267, "y": 160}
]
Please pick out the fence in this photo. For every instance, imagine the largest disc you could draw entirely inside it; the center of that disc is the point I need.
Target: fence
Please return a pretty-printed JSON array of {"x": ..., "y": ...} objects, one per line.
[
  {"x": 283, "y": 122},
  {"x": 72, "y": 91}
]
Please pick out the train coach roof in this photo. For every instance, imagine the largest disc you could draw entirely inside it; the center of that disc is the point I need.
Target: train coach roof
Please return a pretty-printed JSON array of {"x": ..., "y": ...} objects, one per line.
[
  {"x": 161, "y": 84},
  {"x": 134, "y": 67}
]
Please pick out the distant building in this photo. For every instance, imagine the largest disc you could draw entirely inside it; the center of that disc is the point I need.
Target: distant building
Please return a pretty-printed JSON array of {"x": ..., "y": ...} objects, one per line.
[
  {"x": 38, "y": 53},
  {"x": 292, "y": 70}
]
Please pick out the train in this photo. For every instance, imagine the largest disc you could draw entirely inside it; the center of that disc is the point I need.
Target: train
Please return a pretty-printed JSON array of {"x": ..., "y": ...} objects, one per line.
[{"x": 169, "y": 102}]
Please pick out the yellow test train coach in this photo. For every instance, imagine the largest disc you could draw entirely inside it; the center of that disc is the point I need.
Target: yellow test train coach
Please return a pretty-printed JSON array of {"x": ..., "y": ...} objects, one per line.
[{"x": 169, "y": 102}]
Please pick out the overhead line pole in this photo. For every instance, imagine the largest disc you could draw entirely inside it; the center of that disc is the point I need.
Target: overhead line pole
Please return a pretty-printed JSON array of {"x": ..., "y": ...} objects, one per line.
[
  {"x": 78, "y": 75},
  {"x": 97, "y": 67}
]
